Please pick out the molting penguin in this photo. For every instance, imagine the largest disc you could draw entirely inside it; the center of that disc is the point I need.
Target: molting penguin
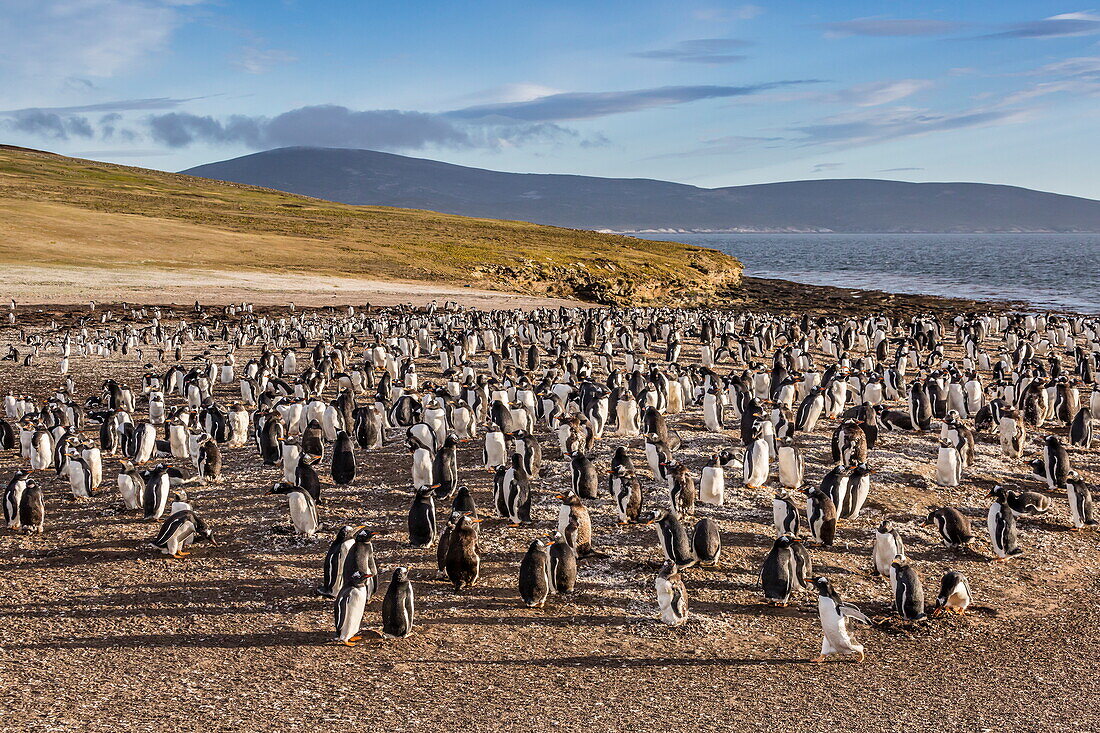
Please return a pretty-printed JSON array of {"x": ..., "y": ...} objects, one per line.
[
  {"x": 574, "y": 511},
  {"x": 398, "y": 609},
  {"x": 563, "y": 565},
  {"x": 820, "y": 517},
  {"x": 671, "y": 595},
  {"x": 13, "y": 495},
  {"x": 32, "y": 509},
  {"x": 627, "y": 491},
  {"x": 463, "y": 563},
  {"x": 1022, "y": 502},
  {"x": 534, "y": 575}
]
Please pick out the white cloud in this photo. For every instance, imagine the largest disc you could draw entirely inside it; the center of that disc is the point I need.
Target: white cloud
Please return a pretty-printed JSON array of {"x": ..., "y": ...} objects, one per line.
[{"x": 256, "y": 60}]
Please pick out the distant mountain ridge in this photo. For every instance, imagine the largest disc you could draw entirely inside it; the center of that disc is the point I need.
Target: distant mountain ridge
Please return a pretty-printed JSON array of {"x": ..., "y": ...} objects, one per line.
[{"x": 633, "y": 205}]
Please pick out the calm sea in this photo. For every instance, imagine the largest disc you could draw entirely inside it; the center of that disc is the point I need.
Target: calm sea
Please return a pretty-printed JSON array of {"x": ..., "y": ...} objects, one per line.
[{"x": 1057, "y": 271}]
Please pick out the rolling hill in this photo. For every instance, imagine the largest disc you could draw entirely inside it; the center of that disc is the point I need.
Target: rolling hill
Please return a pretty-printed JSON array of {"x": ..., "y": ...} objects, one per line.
[
  {"x": 839, "y": 205},
  {"x": 59, "y": 211}
]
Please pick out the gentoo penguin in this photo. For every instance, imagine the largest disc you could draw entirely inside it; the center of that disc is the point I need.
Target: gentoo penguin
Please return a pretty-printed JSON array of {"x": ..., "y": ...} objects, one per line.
[
  {"x": 888, "y": 545},
  {"x": 949, "y": 465},
  {"x": 954, "y": 594},
  {"x": 671, "y": 595},
  {"x": 422, "y": 524},
  {"x": 517, "y": 492},
  {"x": 1056, "y": 460},
  {"x": 463, "y": 563},
  {"x": 820, "y": 516},
  {"x": 303, "y": 509},
  {"x": 706, "y": 543},
  {"x": 784, "y": 570},
  {"x": 682, "y": 490},
  {"x": 573, "y": 510},
  {"x": 154, "y": 498},
  {"x": 585, "y": 478},
  {"x": 849, "y": 443},
  {"x": 343, "y": 459},
  {"x": 464, "y": 502},
  {"x": 834, "y": 485},
  {"x": 859, "y": 487},
  {"x": 953, "y": 525},
  {"x": 1080, "y": 430},
  {"x": 361, "y": 558},
  {"x": 627, "y": 491},
  {"x": 713, "y": 410},
  {"x": 563, "y": 565},
  {"x": 534, "y": 574},
  {"x": 32, "y": 509},
  {"x": 349, "y": 608},
  {"x": 712, "y": 482},
  {"x": 445, "y": 467},
  {"x": 1002, "y": 530},
  {"x": 313, "y": 440},
  {"x": 1081, "y": 512},
  {"x": 208, "y": 460},
  {"x": 671, "y": 538},
  {"x": 791, "y": 465},
  {"x": 757, "y": 464},
  {"x": 13, "y": 495},
  {"x": 180, "y": 530},
  {"x": 908, "y": 592},
  {"x": 337, "y": 554},
  {"x": 398, "y": 608},
  {"x": 833, "y": 614},
  {"x": 1022, "y": 502},
  {"x": 785, "y": 514}
]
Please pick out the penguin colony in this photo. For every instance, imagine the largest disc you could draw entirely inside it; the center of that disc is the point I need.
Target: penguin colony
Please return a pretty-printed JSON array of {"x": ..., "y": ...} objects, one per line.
[{"x": 577, "y": 417}]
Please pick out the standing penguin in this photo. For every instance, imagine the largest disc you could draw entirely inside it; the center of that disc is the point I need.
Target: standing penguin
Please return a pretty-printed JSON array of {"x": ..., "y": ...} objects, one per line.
[
  {"x": 463, "y": 563},
  {"x": 833, "y": 614},
  {"x": 1056, "y": 460},
  {"x": 563, "y": 565},
  {"x": 1080, "y": 430},
  {"x": 1002, "y": 530},
  {"x": 627, "y": 491},
  {"x": 672, "y": 539},
  {"x": 32, "y": 509},
  {"x": 954, "y": 594},
  {"x": 534, "y": 574},
  {"x": 671, "y": 595},
  {"x": 398, "y": 608},
  {"x": 208, "y": 461},
  {"x": 422, "y": 523},
  {"x": 349, "y": 608},
  {"x": 757, "y": 464},
  {"x": 791, "y": 465},
  {"x": 155, "y": 496},
  {"x": 585, "y": 478},
  {"x": 949, "y": 465},
  {"x": 783, "y": 571},
  {"x": 785, "y": 514},
  {"x": 953, "y": 525},
  {"x": 574, "y": 511},
  {"x": 13, "y": 495},
  {"x": 820, "y": 517},
  {"x": 908, "y": 592},
  {"x": 517, "y": 492},
  {"x": 706, "y": 543},
  {"x": 887, "y": 546},
  {"x": 1081, "y": 512},
  {"x": 334, "y": 561},
  {"x": 343, "y": 459},
  {"x": 712, "y": 482},
  {"x": 681, "y": 488}
]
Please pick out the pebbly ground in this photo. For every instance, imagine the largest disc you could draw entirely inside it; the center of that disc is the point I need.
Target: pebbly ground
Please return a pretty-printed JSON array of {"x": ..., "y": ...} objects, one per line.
[{"x": 98, "y": 631}]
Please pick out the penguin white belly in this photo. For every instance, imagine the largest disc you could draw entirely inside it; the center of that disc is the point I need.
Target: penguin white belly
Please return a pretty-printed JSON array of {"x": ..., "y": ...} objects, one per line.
[
  {"x": 790, "y": 470},
  {"x": 352, "y": 604},
  {"x": 563, "y": 518},
  {"x": 665, "y": 603},
  {"x": 835, "y": 639},
  {"x": 885, "y": 552},
  {"x": 712, "y": 486},
  {"x": 948, "y": 466},
  {"x": 302, "y": 514}
]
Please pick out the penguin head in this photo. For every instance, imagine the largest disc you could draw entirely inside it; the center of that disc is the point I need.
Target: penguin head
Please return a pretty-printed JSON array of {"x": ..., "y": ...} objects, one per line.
[
  {"x": 822, "y": 585},
  {"x": 900, "y": 561},
  {"x": 400, "y": 575},
  {"x": 886, "y": 526},
  {"x": 998, "y": 492}
]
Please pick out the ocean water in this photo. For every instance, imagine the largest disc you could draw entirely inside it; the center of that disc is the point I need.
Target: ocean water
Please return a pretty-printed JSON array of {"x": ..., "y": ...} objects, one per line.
[{"x": 1052, "y": 271}]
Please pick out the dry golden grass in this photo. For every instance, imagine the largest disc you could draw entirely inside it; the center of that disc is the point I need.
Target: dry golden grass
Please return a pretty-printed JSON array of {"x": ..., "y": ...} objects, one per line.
[{"x": 65, "y": 211}]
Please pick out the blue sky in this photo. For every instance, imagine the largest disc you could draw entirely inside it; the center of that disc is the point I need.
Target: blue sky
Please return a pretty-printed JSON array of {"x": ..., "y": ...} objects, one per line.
[{"x": 707, "y": 93}]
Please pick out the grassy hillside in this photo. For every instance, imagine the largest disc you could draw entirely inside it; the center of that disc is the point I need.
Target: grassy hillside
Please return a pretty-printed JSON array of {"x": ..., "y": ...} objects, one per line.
[{"x": 66, "y": 211}]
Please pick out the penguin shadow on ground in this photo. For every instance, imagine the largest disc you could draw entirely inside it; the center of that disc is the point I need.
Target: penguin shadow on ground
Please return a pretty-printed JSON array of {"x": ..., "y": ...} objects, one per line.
[
  {"x": 534, "y": 617},
  {"x": 611, "y": 661},
  {"x": 281, "y": 638},
  {"x": 88, "y": 554}
]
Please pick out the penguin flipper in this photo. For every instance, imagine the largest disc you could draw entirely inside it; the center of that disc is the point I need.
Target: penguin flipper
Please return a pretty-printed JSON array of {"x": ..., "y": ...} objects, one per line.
[{"x": 849, "y": 611}]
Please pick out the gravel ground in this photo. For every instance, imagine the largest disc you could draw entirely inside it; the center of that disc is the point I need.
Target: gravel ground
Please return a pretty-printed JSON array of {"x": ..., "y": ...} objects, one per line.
[{"x": 98, "y": 631}]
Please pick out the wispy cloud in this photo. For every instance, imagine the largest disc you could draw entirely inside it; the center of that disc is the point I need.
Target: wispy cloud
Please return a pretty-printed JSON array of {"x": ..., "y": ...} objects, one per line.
[
  {"x": 865, "y": 128},
  {"x": 712, "y": 51},
  {"x": 119, "y": 105},
  {"x": 822, "y": 167},
  {"x": 899, "y": 170},
  {"x": 875, "y": 93},
  {"x": 1056, "y": 26},
  {"x": 591, "y": 105},
  {"x": 255, "y": 59},
  {"x": 890, "y": 27}
]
